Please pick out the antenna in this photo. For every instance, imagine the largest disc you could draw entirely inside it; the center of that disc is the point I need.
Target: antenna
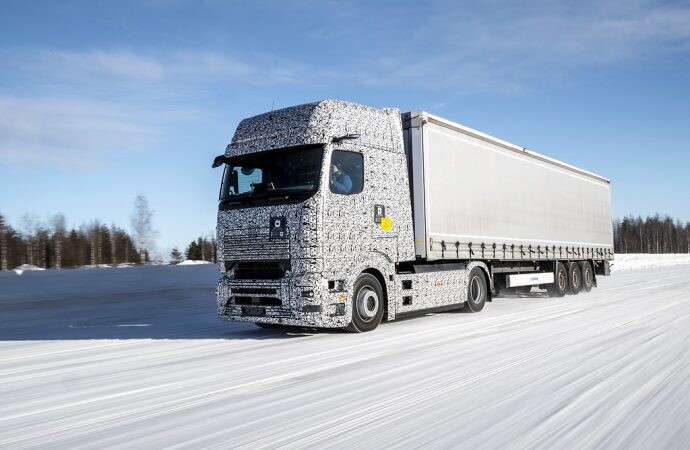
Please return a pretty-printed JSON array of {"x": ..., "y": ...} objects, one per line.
[{"x": 273, "y": 103}]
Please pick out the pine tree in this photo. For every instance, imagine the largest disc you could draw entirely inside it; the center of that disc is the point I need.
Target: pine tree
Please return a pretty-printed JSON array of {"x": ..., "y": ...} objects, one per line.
[
  {"x": 175, "y": 255},
  {"x": 193, "y": 251}
]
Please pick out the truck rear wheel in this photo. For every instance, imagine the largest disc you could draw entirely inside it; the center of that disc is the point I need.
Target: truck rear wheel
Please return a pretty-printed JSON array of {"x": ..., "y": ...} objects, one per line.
[
  {"x": 367, "y": 304},
  {"x": 476, "y": 290},
  {"x": 574, "y": 278},
  {"x": 587, "y": 276},
  {"x": 560, "y": 281}
]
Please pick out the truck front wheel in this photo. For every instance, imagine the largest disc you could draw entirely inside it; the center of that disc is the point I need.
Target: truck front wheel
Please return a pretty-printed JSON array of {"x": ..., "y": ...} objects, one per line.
[
  {"x": 367, "y": 304},
  {"x": 476, "y": 290}
]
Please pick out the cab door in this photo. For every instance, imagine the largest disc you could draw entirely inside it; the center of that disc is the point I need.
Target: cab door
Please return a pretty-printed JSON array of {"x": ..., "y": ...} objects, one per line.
[{"x": 346, "y": 225}]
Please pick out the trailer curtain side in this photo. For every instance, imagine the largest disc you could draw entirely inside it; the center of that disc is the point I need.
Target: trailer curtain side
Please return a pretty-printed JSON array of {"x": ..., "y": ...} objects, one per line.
[{"x": 477, "y": 197}]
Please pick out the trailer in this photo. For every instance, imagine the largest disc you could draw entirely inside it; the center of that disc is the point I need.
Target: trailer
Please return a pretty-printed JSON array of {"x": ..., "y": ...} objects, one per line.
[{"x": 334, "y": 214}]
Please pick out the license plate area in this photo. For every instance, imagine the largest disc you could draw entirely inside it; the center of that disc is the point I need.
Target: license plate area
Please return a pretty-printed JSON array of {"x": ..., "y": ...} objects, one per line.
[{"x": 254, "y": 311}]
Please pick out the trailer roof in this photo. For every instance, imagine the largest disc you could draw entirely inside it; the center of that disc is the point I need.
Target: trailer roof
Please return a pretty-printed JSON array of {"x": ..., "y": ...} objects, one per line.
[{"x": 507, "y": 145}]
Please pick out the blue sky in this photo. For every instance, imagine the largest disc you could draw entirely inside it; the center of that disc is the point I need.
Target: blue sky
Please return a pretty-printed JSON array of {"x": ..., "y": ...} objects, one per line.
[{"x": 101, "y": 101}]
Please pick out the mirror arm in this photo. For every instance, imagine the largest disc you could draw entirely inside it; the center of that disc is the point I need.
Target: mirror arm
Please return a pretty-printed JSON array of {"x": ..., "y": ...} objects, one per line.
[{"x": 219, "y": 161}]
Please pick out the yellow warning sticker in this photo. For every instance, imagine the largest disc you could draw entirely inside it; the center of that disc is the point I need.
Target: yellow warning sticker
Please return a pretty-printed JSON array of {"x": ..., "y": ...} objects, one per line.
[{"x": 386, "y": 224}]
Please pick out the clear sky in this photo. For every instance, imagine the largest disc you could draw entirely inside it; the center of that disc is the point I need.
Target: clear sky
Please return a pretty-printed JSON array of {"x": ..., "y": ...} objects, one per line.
[{"x": 101, "y": 101}]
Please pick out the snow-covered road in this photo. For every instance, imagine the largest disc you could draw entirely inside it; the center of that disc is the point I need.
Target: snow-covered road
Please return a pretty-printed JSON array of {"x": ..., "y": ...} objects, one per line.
[{"x": 136, "y": 358}]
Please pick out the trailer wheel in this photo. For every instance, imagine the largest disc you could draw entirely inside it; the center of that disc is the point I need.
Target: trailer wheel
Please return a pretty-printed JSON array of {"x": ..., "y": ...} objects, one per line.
[
  {"x": 367, "y": 304},
  {"x": 560, "y": 281},
  {"x": 476, "y": 290},
  {"x": 587, "y": 276},
  {"x": 574, "y": 278}
]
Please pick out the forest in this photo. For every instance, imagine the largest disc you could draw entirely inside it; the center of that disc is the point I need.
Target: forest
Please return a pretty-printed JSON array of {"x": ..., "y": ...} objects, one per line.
[
  {"x": 654, "y": 234},
  {"x": 52, "y": 246}
]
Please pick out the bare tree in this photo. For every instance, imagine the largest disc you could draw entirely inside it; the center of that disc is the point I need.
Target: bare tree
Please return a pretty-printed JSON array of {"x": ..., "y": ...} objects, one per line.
[
  {"x": 58, "y": 222},
  {"x": 142, "y": 226},
  {"x": 30, "y": 226}
]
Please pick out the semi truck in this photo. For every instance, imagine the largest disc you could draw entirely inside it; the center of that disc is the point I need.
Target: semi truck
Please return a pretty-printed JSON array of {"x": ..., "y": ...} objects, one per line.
[{"x": 338, "y": 215}]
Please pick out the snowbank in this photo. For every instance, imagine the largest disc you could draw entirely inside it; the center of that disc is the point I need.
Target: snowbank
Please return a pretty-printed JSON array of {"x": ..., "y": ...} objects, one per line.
[
  {"x": 28, "y": 267},
  {"x": 633, "y": 261},
  {"x": 193, "y": 262},
  {"x": 24, "y": 267}
]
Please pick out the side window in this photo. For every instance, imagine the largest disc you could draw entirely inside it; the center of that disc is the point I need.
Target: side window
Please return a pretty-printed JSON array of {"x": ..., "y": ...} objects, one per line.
[{"x": 347, "y": 172}]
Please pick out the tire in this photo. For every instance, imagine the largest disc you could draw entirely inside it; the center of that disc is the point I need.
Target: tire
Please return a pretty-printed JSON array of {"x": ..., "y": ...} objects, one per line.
[
  {"x": 560, "y": 281},
  {"x": 574, "y": 278},
  {"x": 367, "y": 304},
  {"x": 268, "y": 325},
  {"x": 587, "y": 276},
  {"x": 476, "y": 290}
]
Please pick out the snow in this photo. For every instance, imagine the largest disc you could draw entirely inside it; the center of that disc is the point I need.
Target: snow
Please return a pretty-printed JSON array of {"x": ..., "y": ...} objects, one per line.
[
  {"x": 137, "y": 358},
  {"x": 24, "y": 267},
  {"x": 96, "y": 266},
  {"x": 634, "y": 261},
  {"x": 193, "y": 262}
]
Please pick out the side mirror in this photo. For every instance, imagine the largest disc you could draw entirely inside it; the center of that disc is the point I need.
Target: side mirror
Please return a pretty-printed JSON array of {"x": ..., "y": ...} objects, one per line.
[{"x": 218, "y": 161}]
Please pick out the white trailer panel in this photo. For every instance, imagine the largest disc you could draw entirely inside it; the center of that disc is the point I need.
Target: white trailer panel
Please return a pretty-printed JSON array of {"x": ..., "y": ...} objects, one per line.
[
  {"x": 529, "y": 279},
  {"x": 475, "y": 196}
]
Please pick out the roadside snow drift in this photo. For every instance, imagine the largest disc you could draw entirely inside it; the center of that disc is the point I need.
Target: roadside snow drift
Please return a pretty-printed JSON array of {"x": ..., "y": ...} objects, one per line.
[{"x": 633, "y": 261}]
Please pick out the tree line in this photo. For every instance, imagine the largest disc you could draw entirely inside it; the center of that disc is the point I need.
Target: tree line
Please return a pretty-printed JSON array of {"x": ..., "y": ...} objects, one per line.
[
  {"x": 53, "y": 246},
  {"x": 654, "y": 234},
  {"x": 201, "y": 249}
]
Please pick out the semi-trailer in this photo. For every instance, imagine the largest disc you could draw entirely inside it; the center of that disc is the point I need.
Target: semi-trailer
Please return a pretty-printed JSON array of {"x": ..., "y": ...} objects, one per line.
[{"x": 338, "y": 215}]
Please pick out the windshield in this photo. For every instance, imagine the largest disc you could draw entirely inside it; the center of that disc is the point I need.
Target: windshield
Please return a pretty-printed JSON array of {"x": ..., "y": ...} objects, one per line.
[{"x": 274, "y": 176}]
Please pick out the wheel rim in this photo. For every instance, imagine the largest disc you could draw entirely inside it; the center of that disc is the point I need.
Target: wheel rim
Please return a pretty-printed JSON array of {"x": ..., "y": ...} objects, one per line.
[
  {"x": 476, "y": 290},
  {"x": 588, "y": 276},
  {"x": 576, "y": 279},
  {"x": 367, "y": 303}
]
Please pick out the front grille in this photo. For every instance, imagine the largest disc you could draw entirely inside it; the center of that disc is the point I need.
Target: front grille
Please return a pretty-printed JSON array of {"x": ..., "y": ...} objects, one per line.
[
  {"x": 258, "y": 301},
  {"x": 254, "y": 243},
  {"x": 261, "y": 270},
  {"x": 254, "y": 291}
]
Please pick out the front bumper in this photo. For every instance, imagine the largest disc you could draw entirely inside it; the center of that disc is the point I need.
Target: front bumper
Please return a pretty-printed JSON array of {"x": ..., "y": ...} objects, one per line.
[{"x": 297, "y": 301}]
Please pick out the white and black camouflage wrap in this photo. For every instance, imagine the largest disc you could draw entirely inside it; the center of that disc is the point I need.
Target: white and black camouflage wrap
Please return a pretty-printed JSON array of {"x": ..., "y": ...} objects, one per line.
[{"x": 331, "y": 237}]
